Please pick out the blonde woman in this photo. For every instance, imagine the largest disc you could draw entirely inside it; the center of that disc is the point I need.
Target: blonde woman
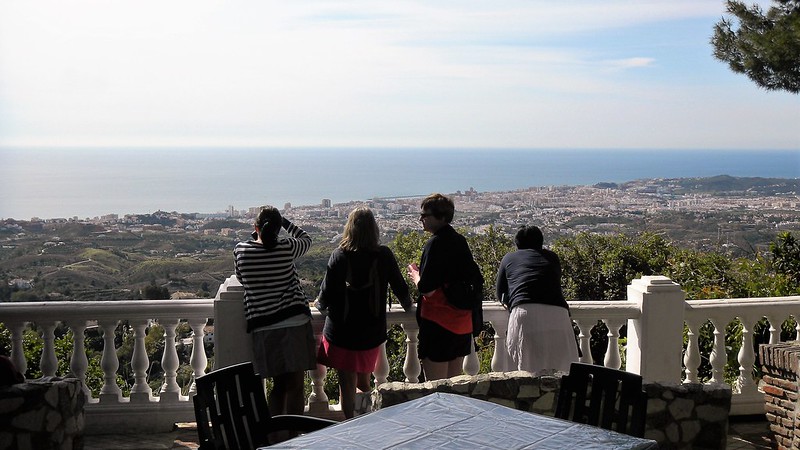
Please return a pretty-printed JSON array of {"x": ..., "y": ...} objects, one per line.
[{"x": 354, "y": 294}]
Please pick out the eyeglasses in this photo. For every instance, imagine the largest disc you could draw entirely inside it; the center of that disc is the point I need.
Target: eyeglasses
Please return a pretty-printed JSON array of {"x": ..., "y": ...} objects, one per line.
[{"x": 424, "y": 215}]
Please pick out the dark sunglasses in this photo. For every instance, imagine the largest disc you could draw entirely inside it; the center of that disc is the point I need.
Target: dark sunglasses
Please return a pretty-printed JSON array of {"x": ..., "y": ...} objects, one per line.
[{"x": 424, "y": 215}]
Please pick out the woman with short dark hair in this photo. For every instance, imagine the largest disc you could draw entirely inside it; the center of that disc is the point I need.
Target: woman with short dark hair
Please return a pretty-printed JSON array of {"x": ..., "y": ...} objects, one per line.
[
  {"x": 540, "y": 338},
  {"x": 445, "y": 330}
]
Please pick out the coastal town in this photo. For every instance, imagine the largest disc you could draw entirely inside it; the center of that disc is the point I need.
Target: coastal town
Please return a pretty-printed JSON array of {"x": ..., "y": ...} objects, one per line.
[{"x": 690, "y": 206}]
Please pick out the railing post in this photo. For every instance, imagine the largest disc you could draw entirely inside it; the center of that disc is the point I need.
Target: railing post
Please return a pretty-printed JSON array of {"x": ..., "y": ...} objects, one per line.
[
  {"x": 500, "y": 357},
  {"x": 141, "y": 392},
  {"x": 655, "y": 338},
  {"x": 584, "y": 335},
  {"x": 471, "y": 365},
  {"x": 411, "y": 366},
  {"x": 79, "y": 362},
  {"x": 17, "y": 329},
  {"x": 198, "y": 359},
  {"x": 691, "y": 359},
  {"x": 170, "y": 390},
  {"x": 318, "y": 400},
  {"x": 48, "y": 362},
  {"x": 382, "y": 367},
  {"x": 232, "y": 344},
  {"x": 613, "y": 358},
  {"x": 110, "y": 392}
]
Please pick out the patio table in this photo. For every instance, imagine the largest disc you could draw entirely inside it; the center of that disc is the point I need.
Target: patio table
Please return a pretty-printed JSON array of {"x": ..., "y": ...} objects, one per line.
[{"x": 453, "y": 421}]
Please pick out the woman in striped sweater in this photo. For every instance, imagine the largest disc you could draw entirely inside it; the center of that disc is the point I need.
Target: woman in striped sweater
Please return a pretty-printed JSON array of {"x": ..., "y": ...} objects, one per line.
[{"x": 276, "y": 310}]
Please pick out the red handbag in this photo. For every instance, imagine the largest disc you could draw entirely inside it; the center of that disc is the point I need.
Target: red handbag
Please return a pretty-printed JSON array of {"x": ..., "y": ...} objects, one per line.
[{"x": 437, "y": 309}]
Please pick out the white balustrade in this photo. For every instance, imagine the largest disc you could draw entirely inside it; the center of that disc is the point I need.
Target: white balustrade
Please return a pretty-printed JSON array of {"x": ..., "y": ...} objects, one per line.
[
  {"x": 722, "y": 312},
  {"x": 112, "y": 410},
  {"x": 650, "y": 301}
]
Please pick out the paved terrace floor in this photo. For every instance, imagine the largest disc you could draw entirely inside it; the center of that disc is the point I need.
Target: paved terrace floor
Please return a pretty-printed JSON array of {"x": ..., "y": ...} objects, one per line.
[{"x": 743, "y": 434}]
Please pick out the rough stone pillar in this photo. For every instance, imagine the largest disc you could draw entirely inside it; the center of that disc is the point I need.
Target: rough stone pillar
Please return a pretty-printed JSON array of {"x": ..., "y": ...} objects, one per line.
[
  {"x": 232, "y": 344},
  {"x": 655, "y": 339}
]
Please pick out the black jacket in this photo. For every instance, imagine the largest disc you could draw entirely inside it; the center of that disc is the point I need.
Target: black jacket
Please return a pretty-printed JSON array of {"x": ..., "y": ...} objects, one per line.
[
  {"x": 530, "y": 276},
  {"x": 357, "y": 326}
]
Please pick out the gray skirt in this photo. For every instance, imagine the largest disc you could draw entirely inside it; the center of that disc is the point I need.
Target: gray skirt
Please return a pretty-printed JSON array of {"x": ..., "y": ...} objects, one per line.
[{"x": 284, "y": 350}]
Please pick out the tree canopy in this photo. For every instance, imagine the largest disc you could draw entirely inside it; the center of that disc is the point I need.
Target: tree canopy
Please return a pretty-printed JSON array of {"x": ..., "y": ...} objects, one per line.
[{"x": 765, "y": 47}]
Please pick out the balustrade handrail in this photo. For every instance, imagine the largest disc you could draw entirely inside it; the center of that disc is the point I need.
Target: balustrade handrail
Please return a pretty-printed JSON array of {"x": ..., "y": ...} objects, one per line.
[
  {"x": 608, "y": 309},
  {"x": 106, "y": 310},
  {"x": 746, "y": 304}
]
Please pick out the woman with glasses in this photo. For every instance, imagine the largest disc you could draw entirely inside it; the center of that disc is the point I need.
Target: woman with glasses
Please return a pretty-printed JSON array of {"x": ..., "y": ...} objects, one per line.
[{"x": 445, "y": 330}]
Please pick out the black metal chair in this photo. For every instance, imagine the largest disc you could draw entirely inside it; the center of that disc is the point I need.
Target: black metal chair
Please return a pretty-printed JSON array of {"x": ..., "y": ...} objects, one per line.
[
  {"x": 600, "y": 396},
  {"x": 233, "y": 400}
]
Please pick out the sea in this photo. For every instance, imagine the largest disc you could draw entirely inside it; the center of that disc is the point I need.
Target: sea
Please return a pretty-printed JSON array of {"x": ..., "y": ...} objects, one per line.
[{"x": 51, "y": 183}]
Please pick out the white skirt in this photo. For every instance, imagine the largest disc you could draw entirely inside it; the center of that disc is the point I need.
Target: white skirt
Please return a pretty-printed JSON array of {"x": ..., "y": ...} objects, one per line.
[{"x": 540, "y": 339}]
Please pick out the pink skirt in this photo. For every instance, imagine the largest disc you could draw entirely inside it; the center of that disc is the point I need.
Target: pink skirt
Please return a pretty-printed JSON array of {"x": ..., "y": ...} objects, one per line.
[{"x": 362, "y": 361}]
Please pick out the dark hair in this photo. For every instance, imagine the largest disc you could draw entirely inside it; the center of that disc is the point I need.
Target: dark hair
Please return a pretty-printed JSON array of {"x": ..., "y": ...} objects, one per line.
[
  {"x": 360, "y": 231},
  {"x": 269, "y": 222},
  {"x": 440, "y": 206},
  {"x": 529, "y": 237}
]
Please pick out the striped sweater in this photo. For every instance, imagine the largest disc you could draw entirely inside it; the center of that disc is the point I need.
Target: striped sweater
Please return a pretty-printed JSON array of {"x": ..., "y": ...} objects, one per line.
[{"x": 272, "y": 291}]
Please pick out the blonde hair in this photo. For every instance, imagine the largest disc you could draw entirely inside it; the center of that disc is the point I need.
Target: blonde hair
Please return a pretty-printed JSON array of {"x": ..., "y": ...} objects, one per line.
[{"x": 361, "y": 231}]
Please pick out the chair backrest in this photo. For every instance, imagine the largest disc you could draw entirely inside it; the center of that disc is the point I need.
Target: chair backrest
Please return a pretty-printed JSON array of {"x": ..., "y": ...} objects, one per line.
[
  {"x": 233, "y": 400},
  {"x": 600, "y": 396}
]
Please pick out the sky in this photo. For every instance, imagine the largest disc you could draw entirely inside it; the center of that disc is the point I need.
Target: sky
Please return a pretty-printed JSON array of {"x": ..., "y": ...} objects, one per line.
[{"x": 450, "y": 74}]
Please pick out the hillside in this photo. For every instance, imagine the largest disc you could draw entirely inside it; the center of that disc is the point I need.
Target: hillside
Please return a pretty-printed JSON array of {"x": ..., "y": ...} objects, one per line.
[{"x": 108, "y": 261}]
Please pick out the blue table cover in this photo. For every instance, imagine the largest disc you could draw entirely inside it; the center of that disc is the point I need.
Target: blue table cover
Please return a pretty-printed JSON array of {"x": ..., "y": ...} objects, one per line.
[{"x": 450, "y": 421}]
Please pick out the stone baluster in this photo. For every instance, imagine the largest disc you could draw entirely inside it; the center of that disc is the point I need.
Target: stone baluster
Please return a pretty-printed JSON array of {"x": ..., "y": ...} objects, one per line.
[
  {"x": 718, "y": 356},
  {"x": 170, "y": 391},
  {"x": 382, "y": 367},
  {"x": 500, "y": 358},
  {"x": 612, "y": 358},
  {"x": 318, "y": 399},
  {"x": 691, "y": 360},
  {"x": 411, "y": 366},
  {"x": 109, "y": 363},
  {"x": 471, "y": 365},
  {"x": 198, "y": 360},
  {"x": 141, "y": 391},
  {"x": 78, "y": 362},
  {"x": 48, "y": 362},
  {"x": 744, "y": 383},
  {"x": 584, "y": 336},
  {"x": 17, "y": 350},
  {"x": 774, "y": 332}
]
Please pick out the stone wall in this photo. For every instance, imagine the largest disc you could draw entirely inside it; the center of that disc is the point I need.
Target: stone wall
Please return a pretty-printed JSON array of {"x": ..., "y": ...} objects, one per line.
[
  {"x": 42, "y": 414},
  {"x": 679, "y": 416},
  {"x": 779, "y": 363}
]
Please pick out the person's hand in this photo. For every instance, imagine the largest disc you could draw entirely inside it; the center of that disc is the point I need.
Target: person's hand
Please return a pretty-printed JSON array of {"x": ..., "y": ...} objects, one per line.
[
  {"x": 413, "y": 272},
  {"x": 320, "y": 308}
]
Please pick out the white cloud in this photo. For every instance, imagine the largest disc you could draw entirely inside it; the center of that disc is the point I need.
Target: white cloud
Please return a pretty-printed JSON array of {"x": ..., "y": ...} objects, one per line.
[{"x": 330, "y": 73}]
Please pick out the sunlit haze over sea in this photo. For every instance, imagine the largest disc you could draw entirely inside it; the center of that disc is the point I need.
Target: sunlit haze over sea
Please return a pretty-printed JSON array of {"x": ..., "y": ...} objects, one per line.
[{"x": 84, "y": 183}]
